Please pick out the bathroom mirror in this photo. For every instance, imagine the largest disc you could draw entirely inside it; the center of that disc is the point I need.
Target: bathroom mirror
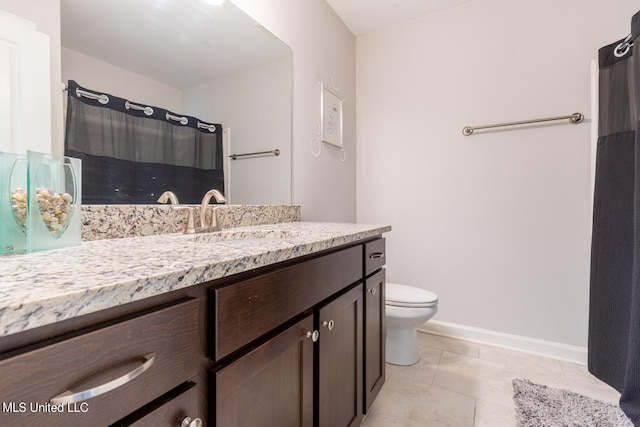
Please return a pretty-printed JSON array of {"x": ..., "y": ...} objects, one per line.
[{"x": 213, "y": 62}]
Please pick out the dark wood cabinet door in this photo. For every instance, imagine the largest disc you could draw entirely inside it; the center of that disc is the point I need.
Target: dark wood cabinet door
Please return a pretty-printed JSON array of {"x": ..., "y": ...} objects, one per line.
[
  {"x": 374, "y": 337},
  {"x": 340, "y": 360},
  {"x": 271, "y": 385}
]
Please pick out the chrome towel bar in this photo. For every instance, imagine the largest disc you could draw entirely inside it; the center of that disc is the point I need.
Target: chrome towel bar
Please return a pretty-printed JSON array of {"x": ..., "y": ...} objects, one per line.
[
  {"x": 573, "y": 118},
  {"x": 275, "y": 152}
]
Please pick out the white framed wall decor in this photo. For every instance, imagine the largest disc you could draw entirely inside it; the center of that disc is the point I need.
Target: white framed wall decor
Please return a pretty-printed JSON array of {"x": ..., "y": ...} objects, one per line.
[{"x": 331, "y": 117}]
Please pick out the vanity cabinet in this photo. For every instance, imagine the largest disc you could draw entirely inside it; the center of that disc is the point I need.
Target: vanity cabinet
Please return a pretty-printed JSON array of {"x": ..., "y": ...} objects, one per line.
[
  {"x": 374, "y": 321},
  {"x": 298, "y": 343},
  {"x": 287, "y": 345}
]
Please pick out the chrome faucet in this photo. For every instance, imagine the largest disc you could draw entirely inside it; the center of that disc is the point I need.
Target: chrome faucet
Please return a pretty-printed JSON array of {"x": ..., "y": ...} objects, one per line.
[
  {"x": 213, "y": 225},
  {"x": 168, "y": 196}
]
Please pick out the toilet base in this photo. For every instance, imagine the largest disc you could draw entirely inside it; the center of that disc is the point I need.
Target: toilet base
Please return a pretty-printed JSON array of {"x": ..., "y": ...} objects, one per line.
[{"x": 402, "y": 347}]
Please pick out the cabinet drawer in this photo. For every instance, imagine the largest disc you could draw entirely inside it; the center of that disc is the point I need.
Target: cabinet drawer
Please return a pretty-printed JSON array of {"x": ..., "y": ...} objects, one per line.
[
  {"x": 102, "y": 358},
  {"x": 172, "y": 412},
  {"x": 374, "y": 256},
  {"x": 242, "y": 312}
]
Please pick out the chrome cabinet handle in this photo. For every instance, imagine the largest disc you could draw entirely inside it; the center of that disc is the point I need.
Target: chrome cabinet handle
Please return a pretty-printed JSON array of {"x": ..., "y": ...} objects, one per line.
[
  {"x": 188, "y": 422},
  {"x": 372, "y": 291},
  {"x": 328, "y": 324},
  {"x": 70, "y": 396},
  {"x": 376, "y": 255},
  {"x": 313, "y": 335}
]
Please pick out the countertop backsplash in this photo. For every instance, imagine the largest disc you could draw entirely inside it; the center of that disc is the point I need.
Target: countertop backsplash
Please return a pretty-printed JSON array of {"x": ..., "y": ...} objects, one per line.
[{"x": 101, "y": 222}]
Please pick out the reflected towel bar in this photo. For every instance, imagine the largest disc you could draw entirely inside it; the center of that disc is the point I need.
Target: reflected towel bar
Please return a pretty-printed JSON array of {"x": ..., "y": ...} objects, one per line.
[
  {"x": 574, "y": 118},
  {"x": 275, "y": 152}
]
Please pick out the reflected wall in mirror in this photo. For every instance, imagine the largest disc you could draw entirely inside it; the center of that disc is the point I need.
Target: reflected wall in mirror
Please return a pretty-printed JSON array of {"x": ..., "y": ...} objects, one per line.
[{"x": 212, "y": 62}]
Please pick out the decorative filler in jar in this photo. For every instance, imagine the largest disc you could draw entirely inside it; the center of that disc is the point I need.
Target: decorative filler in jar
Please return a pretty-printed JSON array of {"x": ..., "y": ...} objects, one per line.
[{"x": 41, "y": 192}]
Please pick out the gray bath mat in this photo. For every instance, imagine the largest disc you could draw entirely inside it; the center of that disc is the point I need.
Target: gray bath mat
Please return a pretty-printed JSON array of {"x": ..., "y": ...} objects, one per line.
[{"x": 538, "y": 405}]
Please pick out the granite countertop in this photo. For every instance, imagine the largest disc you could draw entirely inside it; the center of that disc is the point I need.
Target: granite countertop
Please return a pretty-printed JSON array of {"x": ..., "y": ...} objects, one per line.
[{"x": 46, "y": 287}]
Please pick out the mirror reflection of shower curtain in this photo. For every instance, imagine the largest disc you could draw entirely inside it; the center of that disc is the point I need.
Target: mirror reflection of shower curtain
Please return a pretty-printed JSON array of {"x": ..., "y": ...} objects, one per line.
[
  {"x": 131, "y": 156},
  {"x": 614, "y": 306}
]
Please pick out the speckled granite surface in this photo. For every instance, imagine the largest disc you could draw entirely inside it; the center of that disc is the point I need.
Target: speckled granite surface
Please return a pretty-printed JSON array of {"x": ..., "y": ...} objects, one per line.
[
  {"x": 117, "y": 221},
  {"x": 46, "y": 287}
]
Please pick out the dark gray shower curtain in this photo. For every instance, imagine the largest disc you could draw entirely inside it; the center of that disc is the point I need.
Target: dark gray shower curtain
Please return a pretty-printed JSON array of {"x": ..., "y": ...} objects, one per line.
[
  {"x": 614, "y": 307},
  {"x": 131, "y": 156}
]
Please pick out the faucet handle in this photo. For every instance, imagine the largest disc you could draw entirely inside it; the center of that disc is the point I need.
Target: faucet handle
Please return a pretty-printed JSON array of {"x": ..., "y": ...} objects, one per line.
[{"x": 190, "y": 227}]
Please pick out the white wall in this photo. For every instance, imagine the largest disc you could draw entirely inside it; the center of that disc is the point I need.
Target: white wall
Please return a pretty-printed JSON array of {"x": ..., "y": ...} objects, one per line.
[
  {"x": 46, "y": 15},
  {"x": 25, "y": 86},
  {"x": 322, "y": 45},
  {"x": 98, "y": 75},
  {"x": 498, "y": 223},
  {"x": 253, "y": 104}
]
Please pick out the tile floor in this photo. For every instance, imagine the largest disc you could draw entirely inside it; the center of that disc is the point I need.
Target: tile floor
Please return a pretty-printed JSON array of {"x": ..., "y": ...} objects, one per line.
[{"x": 463, "y": 384}]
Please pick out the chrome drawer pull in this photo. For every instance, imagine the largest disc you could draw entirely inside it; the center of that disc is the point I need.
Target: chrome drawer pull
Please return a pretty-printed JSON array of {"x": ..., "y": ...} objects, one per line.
[
  {"x": 376, "y": 255},
  {"x": 73, "y": 397}
]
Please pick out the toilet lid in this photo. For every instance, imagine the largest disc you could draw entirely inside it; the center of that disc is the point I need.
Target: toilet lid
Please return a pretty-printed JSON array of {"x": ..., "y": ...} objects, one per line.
[{"x": 409, "y": 296}]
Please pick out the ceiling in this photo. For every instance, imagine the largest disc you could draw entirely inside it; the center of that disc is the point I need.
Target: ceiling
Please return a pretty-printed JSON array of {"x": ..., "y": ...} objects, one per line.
[{"x": 366, "y": 16}]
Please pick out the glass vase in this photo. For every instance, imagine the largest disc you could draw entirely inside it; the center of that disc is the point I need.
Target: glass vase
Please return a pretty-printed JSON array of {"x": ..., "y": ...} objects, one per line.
[{"x": 44, "y": 195}]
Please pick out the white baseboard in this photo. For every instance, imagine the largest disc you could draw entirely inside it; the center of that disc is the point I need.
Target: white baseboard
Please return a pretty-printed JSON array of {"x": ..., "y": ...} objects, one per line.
[{"x": 565, "y": 352}]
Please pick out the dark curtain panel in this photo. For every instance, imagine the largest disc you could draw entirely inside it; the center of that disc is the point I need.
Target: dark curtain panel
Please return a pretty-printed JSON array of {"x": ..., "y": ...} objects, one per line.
[
  {"x": 614, "y": 307},
  {"x": 130, "y": 156}
]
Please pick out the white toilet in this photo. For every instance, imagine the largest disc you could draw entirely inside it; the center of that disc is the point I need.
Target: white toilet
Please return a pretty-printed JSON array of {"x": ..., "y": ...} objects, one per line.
[{"x": 406, "y": 308}]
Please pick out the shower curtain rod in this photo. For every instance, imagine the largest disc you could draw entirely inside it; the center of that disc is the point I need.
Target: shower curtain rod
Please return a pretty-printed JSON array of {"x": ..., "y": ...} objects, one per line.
[
  {"x": 275, "y": 152},
  {"x": 574, "y": 118}
]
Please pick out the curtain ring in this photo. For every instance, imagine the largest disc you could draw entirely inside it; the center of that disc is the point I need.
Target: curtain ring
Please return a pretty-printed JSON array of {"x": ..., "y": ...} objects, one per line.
[
  {"x": 181, "y": 120},
  {"x": 623, "y": 48},
  {"x": 210, "y": 128},
  {"x": 130, "y": 106}
]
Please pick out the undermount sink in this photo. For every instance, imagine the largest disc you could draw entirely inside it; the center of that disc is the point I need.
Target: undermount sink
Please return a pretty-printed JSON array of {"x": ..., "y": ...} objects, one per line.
[{"x": 245, "y": 235}]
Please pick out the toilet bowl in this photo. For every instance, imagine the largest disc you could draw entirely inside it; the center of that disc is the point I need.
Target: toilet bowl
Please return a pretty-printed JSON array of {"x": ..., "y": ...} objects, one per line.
[{"x": 406, "y": 307}]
